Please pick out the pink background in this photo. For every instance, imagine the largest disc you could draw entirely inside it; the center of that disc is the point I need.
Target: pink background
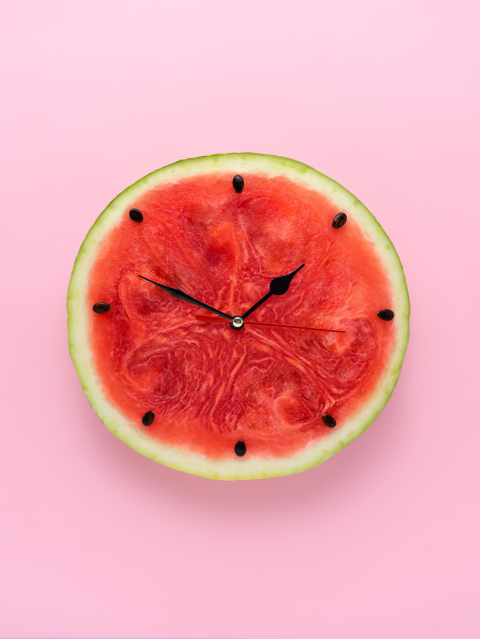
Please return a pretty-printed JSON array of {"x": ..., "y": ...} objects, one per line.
[{"x": 380, "y": 542}]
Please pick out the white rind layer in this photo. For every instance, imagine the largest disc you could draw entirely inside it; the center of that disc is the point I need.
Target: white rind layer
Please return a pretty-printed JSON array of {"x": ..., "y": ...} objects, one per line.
[{"x": 241, "y": 468}]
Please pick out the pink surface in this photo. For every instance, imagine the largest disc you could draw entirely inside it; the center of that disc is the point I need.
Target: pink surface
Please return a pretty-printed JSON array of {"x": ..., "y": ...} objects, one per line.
[{"x": 382, "y": 540}]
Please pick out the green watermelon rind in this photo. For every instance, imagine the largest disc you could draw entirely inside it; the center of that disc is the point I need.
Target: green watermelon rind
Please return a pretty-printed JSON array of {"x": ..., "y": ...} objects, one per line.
[{"x": 188, "y": 461}]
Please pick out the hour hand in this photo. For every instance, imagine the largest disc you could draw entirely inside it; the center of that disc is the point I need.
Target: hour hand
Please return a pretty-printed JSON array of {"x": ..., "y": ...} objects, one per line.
[
  {"x": 278, "y": 286},
  {"x": 180, "y": 295}
]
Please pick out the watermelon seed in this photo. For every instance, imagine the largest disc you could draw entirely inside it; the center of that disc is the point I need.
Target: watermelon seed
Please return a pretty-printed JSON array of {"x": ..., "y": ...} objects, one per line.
[
  {"x": 147, "y": 419},
  {"x": 238, "y": 185},
  {"x": 387, "y": 315},
  {"x": 136, "y": 215},
  {"x": 240, "y": 449},
  {"x": 101, "y": 307},
  {"x": 339, "y": 220},
  {"x": 329, "y": 421}
]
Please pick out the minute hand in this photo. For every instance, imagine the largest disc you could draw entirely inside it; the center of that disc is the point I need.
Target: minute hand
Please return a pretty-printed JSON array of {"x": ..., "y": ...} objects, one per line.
[
  {"x": 278, "y": 286},
  {"x": 180, "y": 295}
]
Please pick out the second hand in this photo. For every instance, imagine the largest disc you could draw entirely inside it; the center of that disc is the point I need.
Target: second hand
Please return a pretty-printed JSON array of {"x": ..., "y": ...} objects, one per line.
[{"x": 219, "y": 320}]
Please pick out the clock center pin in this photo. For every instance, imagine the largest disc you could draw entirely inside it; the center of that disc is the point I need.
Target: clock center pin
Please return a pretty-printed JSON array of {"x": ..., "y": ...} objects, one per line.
[{"x": 237, "y": 323}]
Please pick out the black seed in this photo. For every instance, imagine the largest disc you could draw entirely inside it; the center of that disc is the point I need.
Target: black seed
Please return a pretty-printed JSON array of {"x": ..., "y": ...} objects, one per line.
[
  {"x": 136, "y": 215},
  {"x": 387, "y": 315},
  {"x": 329, "y": 421},
  {"x": 238, "y": 185},
  {"x": 339, "y": 220},
  {"x": 240, "y": 449},
  {"x": 101, "y": 307},
  {"x": 147, "y": 419}
]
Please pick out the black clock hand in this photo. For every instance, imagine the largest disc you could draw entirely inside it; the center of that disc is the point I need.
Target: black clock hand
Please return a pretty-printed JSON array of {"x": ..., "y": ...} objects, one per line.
[
  {"x": 186, "y": 298},
  {"x": 278, "y": 286}
]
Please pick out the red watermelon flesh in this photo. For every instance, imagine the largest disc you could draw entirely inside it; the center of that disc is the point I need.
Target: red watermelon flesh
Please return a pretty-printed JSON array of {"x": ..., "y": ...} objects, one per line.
[{"x": 210, "y": 386}]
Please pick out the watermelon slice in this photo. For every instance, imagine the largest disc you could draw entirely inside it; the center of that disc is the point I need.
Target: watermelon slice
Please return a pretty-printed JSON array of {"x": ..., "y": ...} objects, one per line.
[{"x": 308, "y": 370}]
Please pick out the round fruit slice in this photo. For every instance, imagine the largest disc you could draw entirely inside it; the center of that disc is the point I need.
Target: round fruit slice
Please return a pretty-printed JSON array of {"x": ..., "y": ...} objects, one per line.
[{"x": 237, "y": 389}]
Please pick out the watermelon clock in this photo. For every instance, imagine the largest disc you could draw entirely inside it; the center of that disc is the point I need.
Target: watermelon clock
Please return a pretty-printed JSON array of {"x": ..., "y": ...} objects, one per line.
[{"x": 237, "y": 316}]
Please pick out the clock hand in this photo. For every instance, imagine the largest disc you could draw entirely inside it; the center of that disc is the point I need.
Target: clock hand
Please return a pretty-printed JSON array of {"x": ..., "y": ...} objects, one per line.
[
  {"x": 186, "y": 298},
  {"x": 278, "y": 286},
  {"x": 209, "y": 318}
]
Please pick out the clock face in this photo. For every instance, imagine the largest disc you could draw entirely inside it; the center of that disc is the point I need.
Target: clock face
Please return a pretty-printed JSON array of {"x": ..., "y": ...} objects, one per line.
[{"x": 180, "y": 378}]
